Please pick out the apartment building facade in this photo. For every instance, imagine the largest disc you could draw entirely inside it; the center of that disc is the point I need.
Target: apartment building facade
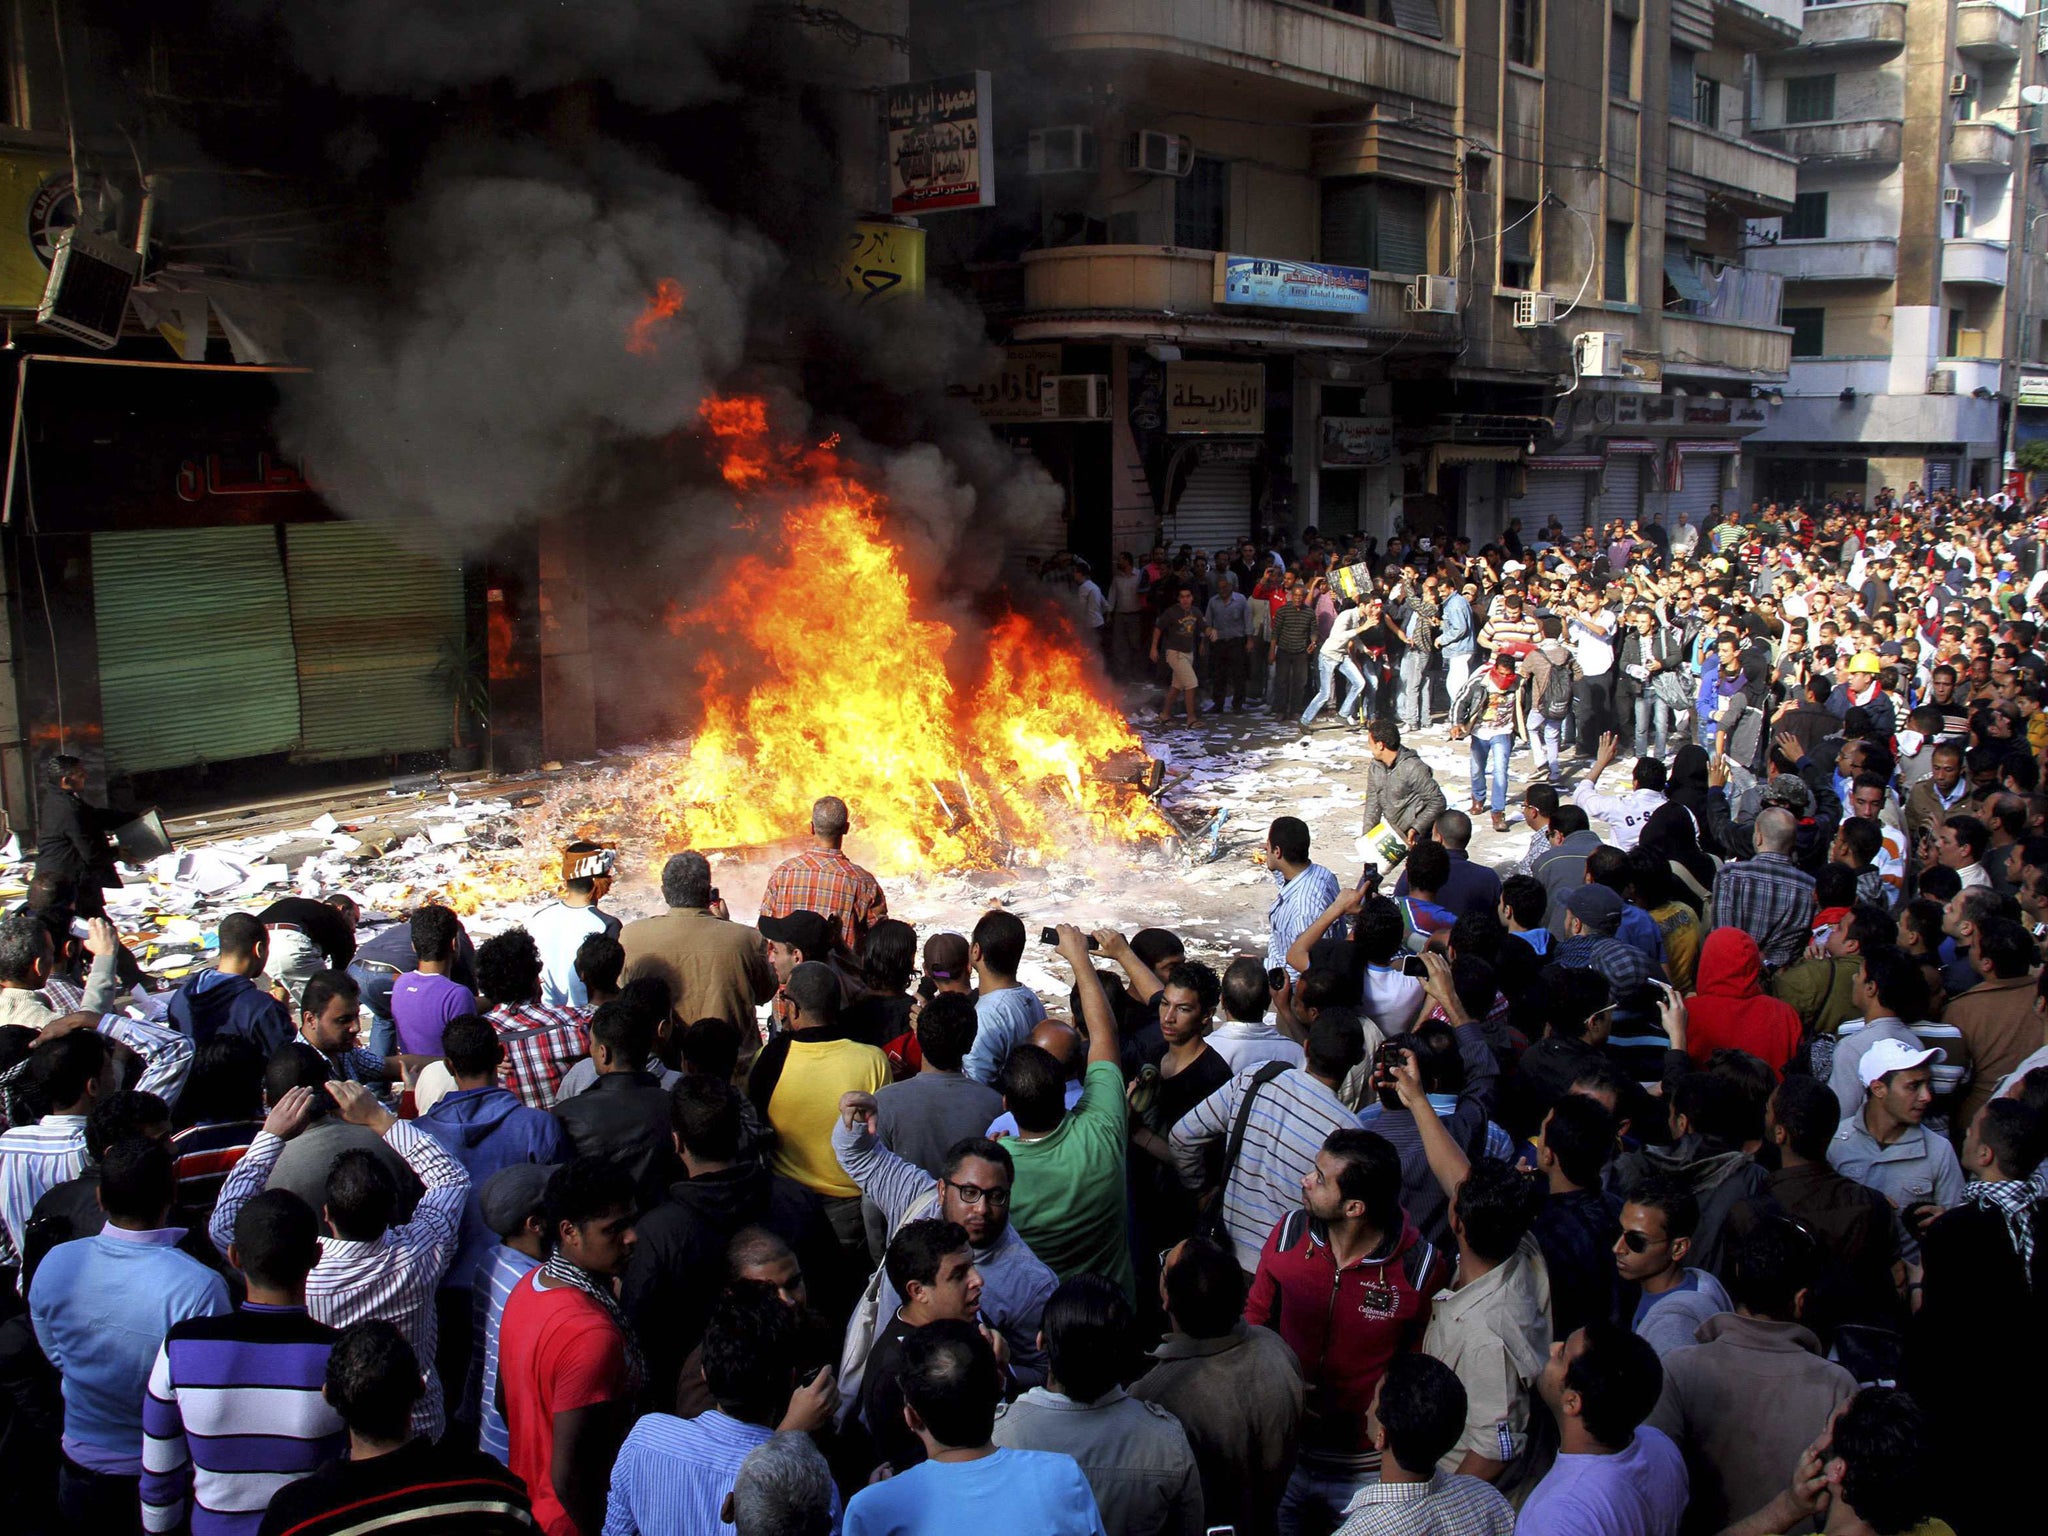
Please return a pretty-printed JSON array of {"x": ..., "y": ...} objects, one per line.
[
  {"x": 1908, "y": 256},
  {"x": 1374, "y": 264}
]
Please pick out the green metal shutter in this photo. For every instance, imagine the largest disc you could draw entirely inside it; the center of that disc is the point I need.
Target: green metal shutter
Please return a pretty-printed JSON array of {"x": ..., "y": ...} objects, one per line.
[
  {"x": 195, "y": 647},
  {"x": 377, "y": 623},
  {"x": 1404, "y": 229}
]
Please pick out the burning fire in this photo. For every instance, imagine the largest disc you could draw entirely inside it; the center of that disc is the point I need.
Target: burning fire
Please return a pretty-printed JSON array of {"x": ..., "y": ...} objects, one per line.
[
  {"x": 854, "y": 699},
  {"x": 666, "y": 304}
]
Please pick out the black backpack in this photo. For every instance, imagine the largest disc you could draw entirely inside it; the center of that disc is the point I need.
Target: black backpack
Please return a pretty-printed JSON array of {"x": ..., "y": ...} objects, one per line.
[{"x": 1556, "y": 702}]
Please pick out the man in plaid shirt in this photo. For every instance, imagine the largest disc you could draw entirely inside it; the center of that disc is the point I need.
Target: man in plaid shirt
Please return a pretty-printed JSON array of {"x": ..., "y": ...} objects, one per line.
[
  {"x": 823, "y": 879},
  {"x": 541, "y": 1042},
  {"x": 1768, "y": 896}
]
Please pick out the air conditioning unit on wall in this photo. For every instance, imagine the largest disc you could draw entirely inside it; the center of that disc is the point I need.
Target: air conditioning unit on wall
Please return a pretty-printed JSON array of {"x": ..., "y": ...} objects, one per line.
[
  {"x": 1060, "y": 151},
  {"x": 1598, "y": 355},
  {"x": 1433, "y": 296},
  {"x": 1074, "y": 396},
  {"x": 1941, "y": 382},
  {"x": 1151, "y": 153},
  {"x": 1535, "y": 309}
]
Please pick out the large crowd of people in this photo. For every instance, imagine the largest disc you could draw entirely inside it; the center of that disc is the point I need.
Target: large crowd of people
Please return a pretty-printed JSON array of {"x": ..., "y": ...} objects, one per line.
[{"x": 1684, "y": 1174}]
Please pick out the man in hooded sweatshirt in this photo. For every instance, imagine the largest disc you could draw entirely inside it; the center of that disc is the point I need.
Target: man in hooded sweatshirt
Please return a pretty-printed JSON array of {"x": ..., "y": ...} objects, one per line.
[
  {"x": 226, "y": 997},
  {"x": 1731, "y": 1010},
  {"x": 1710, "y": 1116},
  {"x": 485, "y": 1128}
]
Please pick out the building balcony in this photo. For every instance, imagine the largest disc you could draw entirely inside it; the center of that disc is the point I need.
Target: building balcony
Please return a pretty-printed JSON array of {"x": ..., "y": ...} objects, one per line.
[
  {"x": 1698, "y": 346},
  {"x": 1971, "y": 374},
  {"x": 1759, "y": 26},
  {"x": 1160, "y": 290},
  {"x": 1980, "y": 145},
  {"x": 1983, "y": 262},
  {"x": 1310, "y": 45},
  {"x": 1986, "y": 31},
  {"x": 1830, "y": 261},
  {"x": 1846, "y": 141},
  {"x": 1866, "y": 26},
  {"x": 1745, "y": 172}
]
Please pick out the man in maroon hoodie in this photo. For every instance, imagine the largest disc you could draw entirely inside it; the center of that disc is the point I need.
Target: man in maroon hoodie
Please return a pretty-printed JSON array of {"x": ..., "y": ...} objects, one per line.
[{"x": 1347, "y": 1282}]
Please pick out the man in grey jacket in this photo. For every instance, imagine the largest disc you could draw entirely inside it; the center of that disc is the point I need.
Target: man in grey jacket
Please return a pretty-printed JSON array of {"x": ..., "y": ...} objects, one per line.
[
  {"x": 1236, "y": 1389},
  {"x": 1399, "y": 788},
  {"x": 1134, "y": 1454}
]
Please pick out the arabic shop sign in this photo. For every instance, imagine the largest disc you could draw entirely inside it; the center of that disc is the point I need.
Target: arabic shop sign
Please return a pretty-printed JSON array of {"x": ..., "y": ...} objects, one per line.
[
  {"x": 1215, "y": 397},
  {"x": 937, "y": 129},
  {"x": 2034, "y": 386},
  {"x": 1357, "y": 442},
  {"x": 881, "y": 262},
  {"x": 1010, "y": 392},
  {"x": 1279, "y": 284}
]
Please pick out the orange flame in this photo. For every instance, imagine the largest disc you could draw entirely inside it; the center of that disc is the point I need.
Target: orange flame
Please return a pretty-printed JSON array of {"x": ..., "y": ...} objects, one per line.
[
  {"x": 740, "y": 424},
  {"x": 666, "y": 304},
  {"x": 853, "y": 698}
]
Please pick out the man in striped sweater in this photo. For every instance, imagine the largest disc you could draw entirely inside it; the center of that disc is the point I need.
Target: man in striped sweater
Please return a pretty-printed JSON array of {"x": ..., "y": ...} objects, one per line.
[
  {"x": 1294, "y": 1110},
  {"x": 234, "y": 1410}
]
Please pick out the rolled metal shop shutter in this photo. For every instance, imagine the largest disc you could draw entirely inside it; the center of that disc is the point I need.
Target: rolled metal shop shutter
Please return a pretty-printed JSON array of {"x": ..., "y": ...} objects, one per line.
[
  {"x": 1622, "y": 494},
  {"x": 1215, "y": 508},
  {"x": 1559, "y": 493},
  {"x": 195, "y": 647},
  {"x": 378, "y": 625},
  {"x": 1701, "y": 490}
]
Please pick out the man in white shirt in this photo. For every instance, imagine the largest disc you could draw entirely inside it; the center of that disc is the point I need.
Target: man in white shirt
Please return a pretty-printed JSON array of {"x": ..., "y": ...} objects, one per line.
[
  {"x": 1248, "y": 1036},
  {"x": 1590, "y": 630},
  {"x": 560, "y": 927},
  {"x": 1627, "y": 813}
]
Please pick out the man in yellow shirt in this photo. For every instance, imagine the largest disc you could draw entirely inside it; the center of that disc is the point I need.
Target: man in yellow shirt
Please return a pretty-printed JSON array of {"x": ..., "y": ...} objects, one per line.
[{"x": 796, "y": 1084}]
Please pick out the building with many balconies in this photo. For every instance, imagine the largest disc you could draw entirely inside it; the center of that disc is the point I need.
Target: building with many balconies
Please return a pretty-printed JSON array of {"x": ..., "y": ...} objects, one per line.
[
  {"x": 1899, "y": 254},
  {"x": 1393, "y": 220}
]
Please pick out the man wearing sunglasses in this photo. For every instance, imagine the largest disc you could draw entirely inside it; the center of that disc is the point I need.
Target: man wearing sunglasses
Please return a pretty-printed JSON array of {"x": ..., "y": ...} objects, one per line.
[
  {"x": 973, "y": 1192},
  {"x": 1672, "y": 1300}
]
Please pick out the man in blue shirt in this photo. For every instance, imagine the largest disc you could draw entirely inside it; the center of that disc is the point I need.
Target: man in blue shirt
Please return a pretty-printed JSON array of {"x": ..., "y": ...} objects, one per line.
[
  {"x": 101, "y": 1307},
  {"x": 1305, "y": 889},
  {"x": 1008, "y": 1011},
  {"x": 673, "y": 1475},
  {"x": 951, "y": 1389}
]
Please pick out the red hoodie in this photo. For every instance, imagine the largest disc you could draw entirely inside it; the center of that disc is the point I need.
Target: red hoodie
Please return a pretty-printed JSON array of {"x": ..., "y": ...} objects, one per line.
[
  {"x": 1343, "y": 1325},
  {"x": 1730, "y": 1008}
]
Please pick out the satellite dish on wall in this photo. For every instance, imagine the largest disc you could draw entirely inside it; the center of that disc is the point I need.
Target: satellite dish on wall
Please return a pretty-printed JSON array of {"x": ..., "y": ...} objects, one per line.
[{"x": 2034, "y": 95}]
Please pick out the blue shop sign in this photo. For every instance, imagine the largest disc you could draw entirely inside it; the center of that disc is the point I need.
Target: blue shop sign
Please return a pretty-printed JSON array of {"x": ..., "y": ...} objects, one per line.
[{"x": 1280, "y": 284}]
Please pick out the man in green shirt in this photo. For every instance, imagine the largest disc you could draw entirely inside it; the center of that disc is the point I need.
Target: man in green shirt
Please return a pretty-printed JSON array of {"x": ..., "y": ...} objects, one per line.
[{"x": 1067, "y": 1200}]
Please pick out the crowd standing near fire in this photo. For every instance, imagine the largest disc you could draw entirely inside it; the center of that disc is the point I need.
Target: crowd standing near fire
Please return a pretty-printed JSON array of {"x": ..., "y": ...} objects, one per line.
[{"x": 1682, "y": 1175}]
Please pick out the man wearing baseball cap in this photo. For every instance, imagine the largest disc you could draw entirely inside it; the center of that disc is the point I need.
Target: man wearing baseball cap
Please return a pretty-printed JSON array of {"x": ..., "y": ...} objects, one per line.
[
  {"x": 510, "y": 1203},
  {"x": 1592, "y": 917},
  {"x": 1886, "y": 1146}
]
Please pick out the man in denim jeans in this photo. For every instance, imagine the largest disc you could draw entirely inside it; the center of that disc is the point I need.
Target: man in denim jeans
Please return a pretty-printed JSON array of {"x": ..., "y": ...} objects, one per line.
[
  {"x": 1415, "y": 630},
  {"x": 1487, "y": 713},
  {"x": 1335, "y": 661}
]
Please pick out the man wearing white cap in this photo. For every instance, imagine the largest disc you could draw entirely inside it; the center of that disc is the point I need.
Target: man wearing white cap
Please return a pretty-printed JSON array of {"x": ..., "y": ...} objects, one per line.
[{"x": 1886, "y": 1146}]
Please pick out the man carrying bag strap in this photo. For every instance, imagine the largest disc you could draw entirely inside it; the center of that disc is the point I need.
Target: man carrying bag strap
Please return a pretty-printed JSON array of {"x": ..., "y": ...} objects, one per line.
[{"x": 1212, "y": 1225}]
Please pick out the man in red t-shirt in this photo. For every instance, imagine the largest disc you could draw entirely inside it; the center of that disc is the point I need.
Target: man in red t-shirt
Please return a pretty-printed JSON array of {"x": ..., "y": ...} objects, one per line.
[{"x": 569, "y": 1370}]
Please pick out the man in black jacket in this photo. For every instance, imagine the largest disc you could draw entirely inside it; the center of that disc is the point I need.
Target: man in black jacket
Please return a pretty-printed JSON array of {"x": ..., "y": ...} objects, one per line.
[
  {"x": 1986, "y": 1273},
  {"x": 678, "y": 1265},
  {"x": 72, "y": 841},
  {"x": 624, "y": 1116}
]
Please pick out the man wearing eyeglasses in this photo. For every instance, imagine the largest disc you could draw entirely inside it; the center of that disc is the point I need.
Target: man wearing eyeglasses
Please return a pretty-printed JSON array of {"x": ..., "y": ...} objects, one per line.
[{"x": 972, "y": 1191}]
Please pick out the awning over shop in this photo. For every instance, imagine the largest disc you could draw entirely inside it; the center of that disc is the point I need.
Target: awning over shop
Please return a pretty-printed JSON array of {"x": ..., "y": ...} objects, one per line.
[{"x": 1441, "y": 454}]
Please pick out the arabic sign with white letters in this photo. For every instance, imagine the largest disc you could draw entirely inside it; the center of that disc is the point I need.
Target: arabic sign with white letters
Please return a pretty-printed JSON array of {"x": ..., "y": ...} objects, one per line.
[
  {"x": 1279, "y": 284},
  {"x": 2033, "y": 389},
  {"x": 1357, "y": 442},
  {"x": 1215, "y": 397},
  {"x": 937, "y": 129}
]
